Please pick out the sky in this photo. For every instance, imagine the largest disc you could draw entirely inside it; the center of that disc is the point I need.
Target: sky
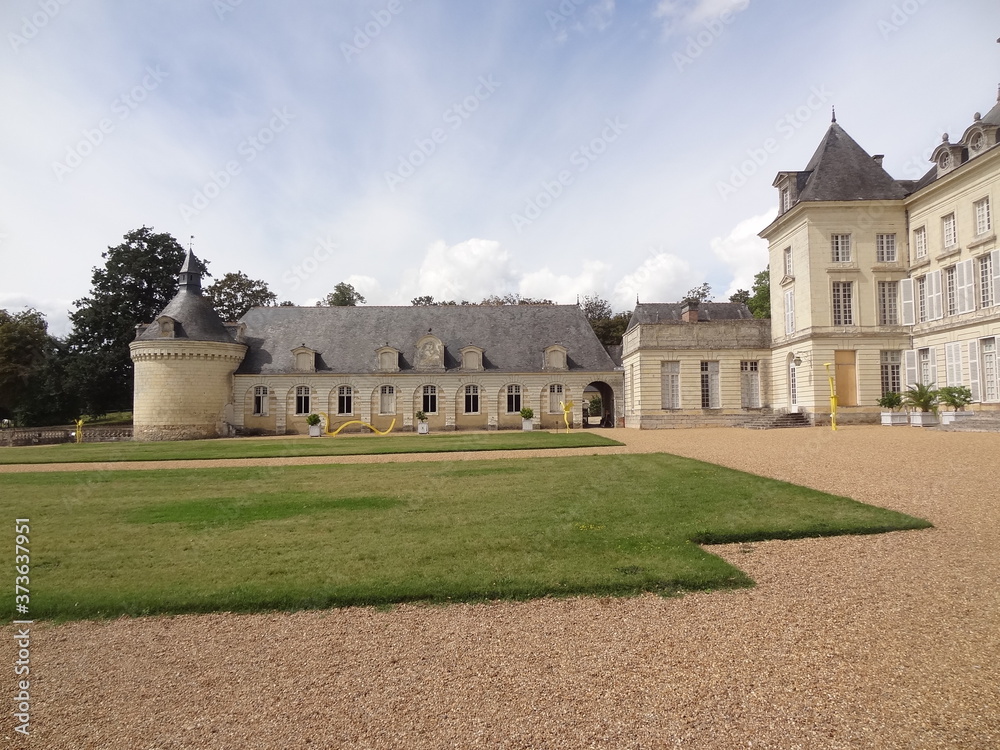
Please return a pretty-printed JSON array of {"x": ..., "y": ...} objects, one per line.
[{"x": 457, "y": 148}]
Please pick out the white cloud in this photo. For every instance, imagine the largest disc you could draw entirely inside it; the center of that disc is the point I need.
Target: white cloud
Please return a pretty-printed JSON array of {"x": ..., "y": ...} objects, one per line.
[
  {"x": 742, "y": 251},
  {"x": 685, "y": 14},
  {"x": 662, "y": 277},
  {"x": 470, "y": 270},
  {"x": 563, "y": 288}
]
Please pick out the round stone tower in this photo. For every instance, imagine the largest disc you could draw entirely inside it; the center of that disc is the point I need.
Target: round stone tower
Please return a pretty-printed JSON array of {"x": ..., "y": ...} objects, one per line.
[{"x": 184, "y": 364}]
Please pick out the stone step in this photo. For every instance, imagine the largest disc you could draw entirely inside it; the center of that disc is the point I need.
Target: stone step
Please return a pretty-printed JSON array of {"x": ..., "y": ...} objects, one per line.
[{"x": 778, "y": 422}]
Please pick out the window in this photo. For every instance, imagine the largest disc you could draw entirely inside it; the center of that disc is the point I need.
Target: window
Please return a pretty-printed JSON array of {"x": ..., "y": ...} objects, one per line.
[
  {"x": 950, "y": 292},
  {"x": 986, "y": 280},
  {"x": 387, "y": 399},
  {"x": 750, "y": 384},
  {"x": 983, "y": 224},
  {"x": 989, "y": 360},
  {"x": 788, "y": 261},
  {"x": 472, "y": 399},
  {"x": 890, "y": 364},
  {"x": 670, "y": 375},
  {"x": 885, "y": 248},
  {"x": 841, "y": 245},
  {"x": 888, "y": 303},
  {"x": 555, "y": 396},
  {"x": 921, "y": 299},
  {"x": 948, "y": 232},
  {"x": 710, "y": 385},
  {"x": 345, "y": 400},
  {"x": 790, "y": 311},
  {"x": 260, "y": 401},
  {"x": 926, "y": 377},
  {"x": 429, "y": 403},
  {"x": 920, "y": 242},
  {"x": 843, "y": 314},
  {"x": 786, "y": 199},
  {"x": 302, "y": 399},
  {"x": 513, "y": 399}
]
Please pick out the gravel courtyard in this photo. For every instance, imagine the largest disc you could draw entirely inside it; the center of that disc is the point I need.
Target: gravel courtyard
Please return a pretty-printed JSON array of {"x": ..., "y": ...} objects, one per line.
[{"x": 886, "y": 641}]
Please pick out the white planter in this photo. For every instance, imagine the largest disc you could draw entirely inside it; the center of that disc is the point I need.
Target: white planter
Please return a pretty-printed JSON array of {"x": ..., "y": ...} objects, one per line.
[
  {"x": 923, "y": 419},
  {"x": 527, "y": 425},
  {"x": 890, "y": 418},
  {"x": 947, "y": 417},
  {"x": 423, "y": 428},
  {"x": 315, "y": 430}
]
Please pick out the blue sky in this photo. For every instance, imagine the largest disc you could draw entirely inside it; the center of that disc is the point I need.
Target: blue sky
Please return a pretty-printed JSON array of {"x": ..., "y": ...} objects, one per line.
[{"x": 552, "y": 148}]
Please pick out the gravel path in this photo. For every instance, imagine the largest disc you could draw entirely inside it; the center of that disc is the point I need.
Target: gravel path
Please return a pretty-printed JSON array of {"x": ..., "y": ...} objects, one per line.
[{"x": 889, "y": 641}]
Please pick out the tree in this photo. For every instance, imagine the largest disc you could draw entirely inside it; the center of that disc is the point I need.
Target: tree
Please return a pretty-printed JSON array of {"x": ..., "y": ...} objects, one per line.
[
  {"x": 760, "y": 294},
  {"x": 235, "y": 293},
  {"x": 343, "y": 295},
  {"x": 609, "y": 326},
  {"x": 495, "y": 300},
  {"x": 32, "y": 372},
  {"x": 701, "y": 293},
  {"x": 740, "y": 296},
  {"x": 139, "y": 277}
]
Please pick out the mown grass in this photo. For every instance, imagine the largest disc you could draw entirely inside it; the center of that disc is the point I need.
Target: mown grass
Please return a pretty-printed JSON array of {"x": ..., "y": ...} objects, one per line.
[
  {"x": 342, "y": 445},
  {"x": 170, "y": 541}
]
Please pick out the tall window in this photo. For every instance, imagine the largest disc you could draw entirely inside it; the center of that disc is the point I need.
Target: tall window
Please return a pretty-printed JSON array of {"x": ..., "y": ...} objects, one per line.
[
  {"x": 788, "y": 262},
  {"x": 710, "y": 385},
  {"x": 841, "y": 247},
  {"x": 513, "y": 399},
  {"x": 948, "y": 232},
  {"x": 888, "y": 303},
  {"x": 920, "y": 242},
  {"x": 429, "y": 403},
  {"x": 843, "y": 312},
  {"x": 983, "y": 223},
  {"x": 750, "y": 384},
  {"x": 670, "y": 373},
  {"x": 950, "y": 291},
  {"x": 925, "y": 366},
  {"x": 387, "y": 399},
  {"x": 472, "y": 399},
  {"x": 890, "y": 372},
  {"x": 986, "y": 280},
  {"x": 345, "y": 400},
  {"x": 989, "y": 358},
  {"x": 302, "y": 399},
  {"x": 260, "y": 401},
  {"x": 921, "y": 299},
  {"x": 556, "y": 395},
  {"x": 790, "y": 311},
  {"x": 885, "y": 248},
  {"x": 786, "y": 199}
]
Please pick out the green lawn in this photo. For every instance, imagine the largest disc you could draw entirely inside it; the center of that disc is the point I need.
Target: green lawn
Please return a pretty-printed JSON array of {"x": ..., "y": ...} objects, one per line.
[
  {"x": 342, "y": 445},
  {"x": 250, "y": 539}
]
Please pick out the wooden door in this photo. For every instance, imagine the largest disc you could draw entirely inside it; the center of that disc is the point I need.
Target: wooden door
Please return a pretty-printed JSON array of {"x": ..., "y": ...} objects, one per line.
[{"x": 845, "y": 371}]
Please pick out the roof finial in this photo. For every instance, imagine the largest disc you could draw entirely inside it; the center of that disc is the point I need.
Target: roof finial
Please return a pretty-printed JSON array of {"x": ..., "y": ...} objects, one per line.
[{"x": 833, "y": 114}]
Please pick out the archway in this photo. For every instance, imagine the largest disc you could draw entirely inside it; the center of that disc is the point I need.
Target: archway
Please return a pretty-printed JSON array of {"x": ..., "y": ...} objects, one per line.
[{"x": 606, "y": 394}]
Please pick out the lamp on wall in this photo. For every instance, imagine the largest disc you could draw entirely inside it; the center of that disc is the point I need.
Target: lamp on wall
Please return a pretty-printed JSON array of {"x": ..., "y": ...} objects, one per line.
[{"x": 797, "y": 359}]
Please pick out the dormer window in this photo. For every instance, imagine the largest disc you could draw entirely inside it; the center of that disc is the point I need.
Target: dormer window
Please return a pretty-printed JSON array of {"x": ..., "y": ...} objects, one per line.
[
  {"x": 429, "y": 353},
  {"x": 305, "y": 359},
  {"x": 555, "y": 358},
  {"x": 388, "y": 359},
  {"x": 786, "y": 199},
  {"x": 472, "y": 358},
  {"x": 166, "y": 325}
]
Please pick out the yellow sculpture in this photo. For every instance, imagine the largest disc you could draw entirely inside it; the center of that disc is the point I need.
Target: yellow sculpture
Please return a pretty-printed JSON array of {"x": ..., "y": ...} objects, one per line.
[
  {"x": 833, "y": 397},
  {"x": 567, "y": 406},
  {"x": 356, "y": 421},
  {"x": 79, "y": 430}
]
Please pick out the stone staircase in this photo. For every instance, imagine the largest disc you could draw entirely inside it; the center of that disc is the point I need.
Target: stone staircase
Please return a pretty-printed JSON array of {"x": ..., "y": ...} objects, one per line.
[
  {"x": 778, "y": 421},
  {"x": 982, "y": 422}
]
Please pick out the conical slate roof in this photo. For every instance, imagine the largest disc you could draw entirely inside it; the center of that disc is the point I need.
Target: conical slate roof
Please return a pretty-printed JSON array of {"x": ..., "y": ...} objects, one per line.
[
  {"x": 194, "y": 317},
  {"x": 841, "y": 170}
]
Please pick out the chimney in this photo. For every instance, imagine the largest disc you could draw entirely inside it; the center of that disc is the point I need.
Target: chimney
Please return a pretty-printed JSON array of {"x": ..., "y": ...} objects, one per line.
[
  {"x": 878, "y": 159},
  {"x": 689, "y": 311}
]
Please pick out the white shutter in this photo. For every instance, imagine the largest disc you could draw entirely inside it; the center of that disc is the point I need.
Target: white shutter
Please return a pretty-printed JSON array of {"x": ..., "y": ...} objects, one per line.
[
  {"x": 910, "y": 368},
  {"x": 906, "y": 296},
  {"x": 713, "y": 386},
  {"x": 932, "y": 352},
  {"x": 934, "y": 306},
  {"x": 995, "y": 262},
  {"x": 965, "y": 285},
  {"x": 790, "y": 311},
  {"x": 953, "y": 362},
  {"x": 974, "y": 370}
]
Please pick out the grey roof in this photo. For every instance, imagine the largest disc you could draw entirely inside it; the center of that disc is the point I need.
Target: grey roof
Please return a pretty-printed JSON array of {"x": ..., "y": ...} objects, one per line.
[
  {"x": 841, "y": 170},
  {"x": 196, "y": 320},
  {"x": 513, "y": 337},
  {"x": 670, "y": 312}
]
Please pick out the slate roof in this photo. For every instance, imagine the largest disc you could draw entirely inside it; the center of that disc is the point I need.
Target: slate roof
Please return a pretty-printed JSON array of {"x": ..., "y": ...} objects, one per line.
[
  {"x": 513, "y": 337},
  {"x": 670, "y": 312},
  {"x": 841, "y": 170}
]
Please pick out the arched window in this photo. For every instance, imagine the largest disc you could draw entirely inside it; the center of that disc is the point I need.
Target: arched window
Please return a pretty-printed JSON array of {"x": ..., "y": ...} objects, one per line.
[
  {"x": 513, "y": 399},
  {"x": 302, "y": 399},
  {"x": 472, "y": 399},
  {"x": 429, "y": 403},
  {"x": 387, "y": 399},
  {"x": 555, "y": 396},
  {"x": 345, "y": 400},
  {"x": 260, "y": 401}
]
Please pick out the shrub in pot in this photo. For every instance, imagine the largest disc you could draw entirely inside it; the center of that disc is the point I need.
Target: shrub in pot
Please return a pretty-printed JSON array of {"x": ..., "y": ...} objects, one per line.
[
  {"x": 890, "y": 403},
  {"x": 956, "y": 398},
  {"x": 923, "y": 399},
  {"x": 527, "y": 414},
  {"x": 422, "y": 427},
  {"x": 313, "y": 420}
]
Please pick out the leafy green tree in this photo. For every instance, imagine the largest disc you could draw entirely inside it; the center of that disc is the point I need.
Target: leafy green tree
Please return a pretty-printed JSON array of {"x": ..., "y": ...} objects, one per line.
[
  {"x": 701, "y": 293},
  {"x": 740, "y": 296},
  {"x": 760, "y": 294},
  {"x": 137, "y": 280},
  {"x": 608, "y": 325},
  {"x": 495, "y": 300},
  {"x": 235, "y": 293},
  {"x": 343, "y": 295},
  {"x": 24, "y": 338}
]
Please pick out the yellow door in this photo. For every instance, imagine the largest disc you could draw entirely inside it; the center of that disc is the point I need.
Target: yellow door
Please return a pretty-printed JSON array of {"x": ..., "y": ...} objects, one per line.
[{"x": 845, "y": 370}]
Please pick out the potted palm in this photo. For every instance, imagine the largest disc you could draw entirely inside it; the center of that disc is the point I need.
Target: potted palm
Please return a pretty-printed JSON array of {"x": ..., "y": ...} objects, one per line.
[
  {"x": 891, "y": 401},
  {"x": 315, "y": 428},
  {"x": 422, "y": 427},
  {"x": 956, "y": 398},
  {"x": 527, "y": 414},
  {"x": 923, "y": 400}
]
